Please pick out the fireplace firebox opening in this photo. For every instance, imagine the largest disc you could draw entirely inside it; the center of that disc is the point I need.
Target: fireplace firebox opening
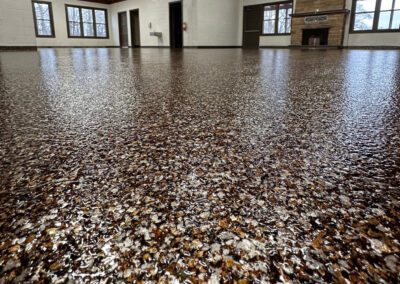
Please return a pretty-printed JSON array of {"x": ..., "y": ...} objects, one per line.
[{"x": 315, "y": 37}]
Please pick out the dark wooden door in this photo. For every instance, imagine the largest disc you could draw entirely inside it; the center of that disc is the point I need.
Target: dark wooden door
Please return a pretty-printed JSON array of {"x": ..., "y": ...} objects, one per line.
[
  {"x": 175, "y": 25},
  {"x": 123, "y": 29},
  {"x": 252, "y": 24},
  {"x": 135, "y": 28}
]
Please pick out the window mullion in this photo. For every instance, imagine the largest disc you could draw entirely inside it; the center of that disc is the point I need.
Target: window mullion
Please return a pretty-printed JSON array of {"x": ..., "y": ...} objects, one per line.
[
  {"x": 276, "y": 18},
  {"x": 53, "y": 29},
  {"x": 376, "y": 15},
  {"x": 391, "y": 15},
  {"x": 81, "y": 22},
  {"x": 68, "y": 21},
  {"x": 94, "y": 22}
]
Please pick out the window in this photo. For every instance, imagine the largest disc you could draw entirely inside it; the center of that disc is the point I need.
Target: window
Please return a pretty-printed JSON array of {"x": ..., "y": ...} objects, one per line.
[
  {"x": 86, "y": 22},
  {"x": 389, "y": 15},
  {"x": 376, "y": 15},
  {"x": 43, "y": 15},
  {"x": 277, "y": 19}
]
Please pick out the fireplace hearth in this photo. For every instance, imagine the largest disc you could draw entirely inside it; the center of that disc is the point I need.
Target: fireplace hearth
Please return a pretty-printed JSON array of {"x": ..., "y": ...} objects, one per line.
[{"x": 315, "y": 37}]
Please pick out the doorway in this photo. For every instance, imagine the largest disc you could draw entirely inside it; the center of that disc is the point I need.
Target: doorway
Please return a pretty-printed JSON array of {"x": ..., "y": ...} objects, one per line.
[
  {"x": 123, "y": 29},
  {"x": 135, "y": 28},
  {"x": 252, "y": 24},
  {"x": 175, "y": 25}
]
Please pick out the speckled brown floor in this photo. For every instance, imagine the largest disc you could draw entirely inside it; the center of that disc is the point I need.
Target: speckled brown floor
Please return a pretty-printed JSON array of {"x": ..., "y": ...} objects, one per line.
[{"x": 202, "y": 165}]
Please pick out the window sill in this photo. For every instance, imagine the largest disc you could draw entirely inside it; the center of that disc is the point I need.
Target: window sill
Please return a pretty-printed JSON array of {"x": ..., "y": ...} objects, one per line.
[
  {"x": 374, "y": 32},
  {"x": 83, "y": 37}
]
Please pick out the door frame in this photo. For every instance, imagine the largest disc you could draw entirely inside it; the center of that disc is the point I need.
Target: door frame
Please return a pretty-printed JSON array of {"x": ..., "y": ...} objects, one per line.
[
  {"x": 260, "y": 6},
  {"x": 169, "y": 16},
  {"x": 130, "y": 26},
  {"x": 119, "y": 27}
]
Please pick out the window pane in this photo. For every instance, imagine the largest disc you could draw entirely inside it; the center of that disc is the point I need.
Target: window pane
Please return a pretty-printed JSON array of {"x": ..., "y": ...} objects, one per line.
[
  {"x": 100, "y": 16},
  {"x": 386, "y": 5},
  {"x": 289, "y": 26},
  {"x": 384, "y": 20},
  {"x": 74, "y": 29},
  {"x": 396, "y": 20},
  {"x": 73, "y": 14},
  {"x": 363, "y": 22},
  {"x": 270, "y": 12},
  {"x": 44, "y": 27},
  {"x": 282, "y": 26},
  {"x": 87, "y": 15},
  {"x": 397, "y": 4},
  {"x": 286, "y": 8},
  {"x": 269, "y": 27},
  {"x": 282, "y": 13},
  {"x": 88, "y": 29},
  {"x": 101, "y": 30},
  {"x": 42, "y": 11},
  {"x": 366, "y": 5}
]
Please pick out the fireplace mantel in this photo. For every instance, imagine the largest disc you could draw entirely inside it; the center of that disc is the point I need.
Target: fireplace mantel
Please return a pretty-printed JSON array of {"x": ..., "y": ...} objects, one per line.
[{"x": 320, "y": 13}]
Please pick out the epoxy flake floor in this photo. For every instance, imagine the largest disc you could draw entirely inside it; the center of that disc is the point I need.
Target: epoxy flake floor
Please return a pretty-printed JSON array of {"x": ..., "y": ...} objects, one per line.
[{"x": 245, "y": 166}]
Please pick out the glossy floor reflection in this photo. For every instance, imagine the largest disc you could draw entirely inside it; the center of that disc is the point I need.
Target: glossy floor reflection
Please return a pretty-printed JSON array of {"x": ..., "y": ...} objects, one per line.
[{"x": 220, "y": 165}]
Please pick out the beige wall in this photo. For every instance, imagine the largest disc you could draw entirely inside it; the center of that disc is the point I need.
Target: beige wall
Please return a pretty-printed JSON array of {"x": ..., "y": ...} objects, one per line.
[
  {"x": 218, "y": 23},
  {"x": 153, "y": 11},
  {"x": 283, "y": 40},
  {"x": 16, "y": 23},
  {"x": 376, "y": 39},
  {"x": 209, "y": 22}
]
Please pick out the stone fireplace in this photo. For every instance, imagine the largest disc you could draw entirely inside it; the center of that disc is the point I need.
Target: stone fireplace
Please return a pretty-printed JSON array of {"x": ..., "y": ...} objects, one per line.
[{"x": 319, "y": 23}]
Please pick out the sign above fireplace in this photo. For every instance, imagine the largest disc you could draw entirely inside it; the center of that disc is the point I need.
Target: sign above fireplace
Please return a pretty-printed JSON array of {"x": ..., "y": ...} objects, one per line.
[{"x": 315, "y": 19}]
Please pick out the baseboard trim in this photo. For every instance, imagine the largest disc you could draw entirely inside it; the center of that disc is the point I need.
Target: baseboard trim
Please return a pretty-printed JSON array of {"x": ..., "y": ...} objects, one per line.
[
  {"x": 18, "y": 48},
  {"x": 331, "y": 47},
  {"x": 34, "y": 48},
  {"x": 319, "y": 47},
  {"x": 152, "y": 46},
  {"x": 106, "y": 46},
  {"x": 373, "y": 47},
  {"x": 276, "y": 47},
  {"x": 304, "y": 47},
  {"x": 212, "y": 46},
  {"x": 74, "y": 46},
  {"x": 198, "y": 47}
]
